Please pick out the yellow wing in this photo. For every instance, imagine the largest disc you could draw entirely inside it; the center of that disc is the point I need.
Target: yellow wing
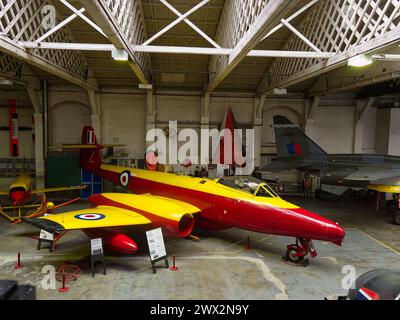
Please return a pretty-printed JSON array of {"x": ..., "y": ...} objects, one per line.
[
  {"x": 47, "y": 190},
  {"x": 4, "y": 193},
  {"x": 384, "y": 188},
  {"x": 99, "y": 217}
]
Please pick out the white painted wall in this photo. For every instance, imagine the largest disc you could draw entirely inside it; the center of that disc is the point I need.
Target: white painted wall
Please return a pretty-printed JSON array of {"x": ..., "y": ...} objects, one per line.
[
  {"x": 66, "y": 120},
  {"x": 333, "y": 129},
  {"x": 180, "y": 108},
  {"x": 388, "y": 135},
  {"x": 369, "y": 139},
  {"x": 242, "y": 109},
  {"x": 124, "y": 122},
  {"x": 394, "y": 140}
]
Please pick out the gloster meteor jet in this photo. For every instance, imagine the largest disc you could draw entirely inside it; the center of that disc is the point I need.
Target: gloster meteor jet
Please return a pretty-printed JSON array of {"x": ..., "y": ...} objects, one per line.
[{"x": 179, "y": 203}]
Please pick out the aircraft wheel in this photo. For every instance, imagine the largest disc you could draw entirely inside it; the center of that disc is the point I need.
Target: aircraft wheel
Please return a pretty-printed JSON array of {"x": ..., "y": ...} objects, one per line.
[
  {"x": 396, "y": 217},
  {"x": 392, "y": 205},
  {"x": 292, "y": 256}
]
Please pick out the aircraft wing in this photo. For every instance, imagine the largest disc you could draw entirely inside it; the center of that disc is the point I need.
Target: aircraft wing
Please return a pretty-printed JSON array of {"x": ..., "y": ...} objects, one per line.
[
  {"x": 373, "y": 173},
  {"x": 98, "y": 217},
  {"x": 282, "y": 165},
  {"x": 47, "y": 190},
  {"x": 4, "y": 193}
]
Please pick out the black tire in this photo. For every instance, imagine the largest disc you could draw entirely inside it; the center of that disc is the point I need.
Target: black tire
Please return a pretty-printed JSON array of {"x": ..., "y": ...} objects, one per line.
[
  {"x": 392, "y": 206},
  {"x": 291, "y": 257},
  {"x": 396, "y": 218}
]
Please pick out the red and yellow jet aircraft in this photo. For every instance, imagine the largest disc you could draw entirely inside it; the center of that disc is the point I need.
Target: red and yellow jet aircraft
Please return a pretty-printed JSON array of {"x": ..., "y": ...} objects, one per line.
[
  {"x": 20, "y": 192},
  {"x": 178, "y": 203}
]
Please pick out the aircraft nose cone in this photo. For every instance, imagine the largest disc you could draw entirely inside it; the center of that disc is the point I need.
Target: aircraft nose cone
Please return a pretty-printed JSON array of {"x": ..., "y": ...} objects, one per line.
[
  {"x": 312, "y": 226},
  {"x": 17, "y": 196},
  {"x": 336, "y": 234}
]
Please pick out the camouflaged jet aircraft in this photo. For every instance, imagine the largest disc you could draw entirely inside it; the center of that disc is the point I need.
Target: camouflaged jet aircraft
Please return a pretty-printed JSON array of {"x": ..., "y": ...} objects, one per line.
[{"x": 297, "y": 151}]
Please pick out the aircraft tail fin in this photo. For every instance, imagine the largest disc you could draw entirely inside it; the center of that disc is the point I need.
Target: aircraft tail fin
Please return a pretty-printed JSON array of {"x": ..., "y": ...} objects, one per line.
[
  {"x": 90, "y": 151},
  {"x": 292, "y": 142}
]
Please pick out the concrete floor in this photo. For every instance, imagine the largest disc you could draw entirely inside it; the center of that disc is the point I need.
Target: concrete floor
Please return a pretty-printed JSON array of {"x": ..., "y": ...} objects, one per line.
[{"x": 217, "y": 267}]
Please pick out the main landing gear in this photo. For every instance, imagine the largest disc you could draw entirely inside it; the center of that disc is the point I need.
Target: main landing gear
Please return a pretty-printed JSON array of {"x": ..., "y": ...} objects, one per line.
[
  {"x": 393, "y": 208},
  {"x": 296, "y": 253}
]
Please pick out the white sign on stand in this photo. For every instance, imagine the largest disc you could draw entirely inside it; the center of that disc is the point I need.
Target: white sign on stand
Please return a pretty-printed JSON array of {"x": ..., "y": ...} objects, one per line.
[
  {"x": 97, "y": 254},
  {"x": 96, "y": 246},
  {"x": 156, "y": 244},
  {"x": 155, "y": 241},
  {"x": 44, "y": 235}
]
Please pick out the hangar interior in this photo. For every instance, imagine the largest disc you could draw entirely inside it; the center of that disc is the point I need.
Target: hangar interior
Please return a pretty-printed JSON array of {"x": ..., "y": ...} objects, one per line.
[{"x": 125, "y": 67}]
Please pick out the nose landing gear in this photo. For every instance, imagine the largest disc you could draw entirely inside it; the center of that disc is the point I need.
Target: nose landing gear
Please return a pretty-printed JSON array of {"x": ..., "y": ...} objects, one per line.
[{"x": 296, "y": 253}]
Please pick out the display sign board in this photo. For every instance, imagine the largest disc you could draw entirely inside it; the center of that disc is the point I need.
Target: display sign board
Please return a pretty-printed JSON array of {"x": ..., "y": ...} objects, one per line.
[
  {"x": 96, "y": 246},
  {"x": 44, "y": 235},
  {"x": 97, "y": 254},
  {"x": 156, "y": 244}
]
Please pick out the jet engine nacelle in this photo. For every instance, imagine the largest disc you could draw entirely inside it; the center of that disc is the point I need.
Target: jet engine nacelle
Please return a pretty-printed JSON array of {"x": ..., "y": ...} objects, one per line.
[
  {"x": 174, "y": 225},
  {"x": 174, "y": 217}
]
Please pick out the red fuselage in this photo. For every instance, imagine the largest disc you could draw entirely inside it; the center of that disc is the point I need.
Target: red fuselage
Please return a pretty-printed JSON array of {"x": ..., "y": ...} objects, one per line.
[{"x": 219, "y": 212}]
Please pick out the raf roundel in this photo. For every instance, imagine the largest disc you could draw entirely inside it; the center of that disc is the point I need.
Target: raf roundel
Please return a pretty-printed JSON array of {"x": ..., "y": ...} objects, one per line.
[
  {"x": 124, "y": 178},
  {"x": 90, "y": 216}
]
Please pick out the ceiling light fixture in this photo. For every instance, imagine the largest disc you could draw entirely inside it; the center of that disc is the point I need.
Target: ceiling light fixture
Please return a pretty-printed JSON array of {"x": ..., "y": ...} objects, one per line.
[
  {"x": 362, "y": 60},
  {"x": 119, "y": 55}
]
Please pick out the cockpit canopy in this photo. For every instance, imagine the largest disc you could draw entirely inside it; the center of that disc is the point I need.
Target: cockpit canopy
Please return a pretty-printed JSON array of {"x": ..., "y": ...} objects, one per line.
[{"x": 250, "y": 185}]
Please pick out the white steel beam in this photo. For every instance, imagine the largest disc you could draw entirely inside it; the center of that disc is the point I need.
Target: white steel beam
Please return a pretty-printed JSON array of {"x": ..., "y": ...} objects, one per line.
[
  {"x": 59, "y": 26},
  {"x": 108, "y": 20},
  {"x": 269, "y": 17},
  {"x": 176, "y": 50},
  {"x": 191, "y": 24},
  {"x": 370, "y": 102},
  {"x": 292, "y": 17},
  {"x": 174, "y": 23},
  {"x": 83, "y": 17},
  {"x": 315, "y": 103},
  {"x": 336, "y": 61},
  {"x": 12, "y": 48},
  {"x": 66, "y": 46},
  {"x": 386, "y": 57},
  {"x": 290, "y": 54},
  {"x": 300, "y": 35}
]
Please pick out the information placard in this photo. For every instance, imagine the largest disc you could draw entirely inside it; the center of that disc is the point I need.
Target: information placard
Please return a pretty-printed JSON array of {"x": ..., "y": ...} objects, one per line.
[
  {"x": 44, "y": 235},
  {"x": 96, "y": 246},
  {"x": 156, "y": 244}
]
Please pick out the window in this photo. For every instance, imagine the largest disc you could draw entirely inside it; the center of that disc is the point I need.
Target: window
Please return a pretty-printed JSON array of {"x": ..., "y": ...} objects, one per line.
[
  {"x": 270, "y": 190},
  {"x": 262, "y": 192},
  {"x": 249, "y": 185}
]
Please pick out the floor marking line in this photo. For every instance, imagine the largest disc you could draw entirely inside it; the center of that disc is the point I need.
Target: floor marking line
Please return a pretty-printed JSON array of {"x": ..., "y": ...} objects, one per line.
[
  {"x": 380, "y": 242},
  {"x": 266, "y": 271}
]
